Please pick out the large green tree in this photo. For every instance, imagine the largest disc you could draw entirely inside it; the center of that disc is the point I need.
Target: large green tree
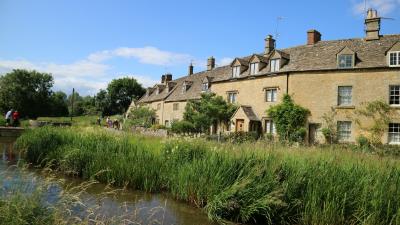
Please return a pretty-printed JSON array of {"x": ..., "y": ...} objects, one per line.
[
  {"x": 26, "y": 91},
  {"x": 210, "y": 109},
  {"x": 59, "y": 106},
  {"x": 121, "y": 92}
]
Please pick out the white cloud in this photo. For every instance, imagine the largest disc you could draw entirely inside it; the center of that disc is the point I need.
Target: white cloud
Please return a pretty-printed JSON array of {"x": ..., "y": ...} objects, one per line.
[
  {"x": 146, "y": 55},
  {"x": 224, "y": 61},
  {"x": 384, "y": 7}
]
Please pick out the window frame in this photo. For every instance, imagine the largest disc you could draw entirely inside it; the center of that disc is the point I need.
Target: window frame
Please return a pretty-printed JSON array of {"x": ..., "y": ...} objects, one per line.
[
  {"x": 175, "y": 106},
  {"x": 345, "y": 66},
  {"x": 236, "y": 71},
  {"x": 158, "y": 106},
  {"x": 347, "y": 136},
  {"x": 340, "y": 102},
  {"x": 275, "y": 65},
  {"x": 205, "y": 84},
  {"x": 269, "y": 127},
  {"x": 392, "y": 133},
  {"x": 395, "y": 95},
  {"x": 255, "y": 70},
  {"x": 274, "y": 97},
  {"x": 232, "y": 93},
  {"x": 397, "y": 53}
]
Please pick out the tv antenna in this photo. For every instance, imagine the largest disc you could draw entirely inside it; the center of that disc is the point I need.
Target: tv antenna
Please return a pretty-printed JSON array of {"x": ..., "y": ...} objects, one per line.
[{"x": 278, "y": 20}]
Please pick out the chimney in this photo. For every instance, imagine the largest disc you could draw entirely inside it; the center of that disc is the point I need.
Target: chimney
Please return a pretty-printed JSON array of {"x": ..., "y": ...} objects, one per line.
[
  {"x": 210, "y": 63},
  {"x": 163, "y": 79},
  {"x": 269, "y": 44},
  {"x": 372, "y": 25},
  {"x": 168, "y": 77},
  {"x": 190, "y": 69},
  {"x": 313, "y": 36}
]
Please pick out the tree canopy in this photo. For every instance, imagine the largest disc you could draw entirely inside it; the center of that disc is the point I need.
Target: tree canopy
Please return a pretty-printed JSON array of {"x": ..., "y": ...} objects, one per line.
[{"x": 208, "y": 110}]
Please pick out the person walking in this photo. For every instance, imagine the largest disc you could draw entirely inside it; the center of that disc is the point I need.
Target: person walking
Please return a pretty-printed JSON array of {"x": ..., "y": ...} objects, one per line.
[
  {"x": 15, "y": 117},
  {"x": 8, "y": 117}
]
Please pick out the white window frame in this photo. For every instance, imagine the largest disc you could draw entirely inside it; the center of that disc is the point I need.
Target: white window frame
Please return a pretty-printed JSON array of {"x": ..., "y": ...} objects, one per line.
[
  {"x": 205, "y": 86},
  {"x": 270, "y": 127},
  {"x": 254, "y": 68},
  {"x": 345, "y": 65},
  {"x": 275, "y": 65},
  {"x": 232, "y": 97},
  {"x": 271, "y": 94},
  {"x": 394, "y": 93},
  {"x": 344, "y": 131},
  {"x": 235, "y": 71},
  {"x": 394, "y": 133},
  {"x": 396, "y": 61},
  {"x": 343, "y": 99}
]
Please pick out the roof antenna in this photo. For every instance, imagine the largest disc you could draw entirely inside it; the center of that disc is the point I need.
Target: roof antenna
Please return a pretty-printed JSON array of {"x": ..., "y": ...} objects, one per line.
[
  {"x": 278, "y": 19},
  {"x": 365, "y": 8}
]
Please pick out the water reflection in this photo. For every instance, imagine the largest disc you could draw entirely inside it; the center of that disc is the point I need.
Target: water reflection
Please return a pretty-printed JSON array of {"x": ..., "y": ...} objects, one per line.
[{"x": 138, "y": 207}]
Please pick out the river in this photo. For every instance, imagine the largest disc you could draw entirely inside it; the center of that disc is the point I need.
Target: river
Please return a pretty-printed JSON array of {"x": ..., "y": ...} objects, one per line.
[{"x": 134, "y": 206}]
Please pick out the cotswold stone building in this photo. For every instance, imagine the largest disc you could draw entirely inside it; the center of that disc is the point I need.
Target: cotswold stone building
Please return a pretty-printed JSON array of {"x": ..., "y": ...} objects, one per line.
[{"x": 319, "y": 75}]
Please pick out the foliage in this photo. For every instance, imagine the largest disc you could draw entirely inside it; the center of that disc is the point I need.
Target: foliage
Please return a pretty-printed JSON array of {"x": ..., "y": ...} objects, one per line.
[
  {"x": 289, "y": 119},
  {"x": 122, "y": 92},
  {"x": 58, "y": 104},
  {"x": 377, "y": 115},
  {"x": 182, "y": 127},
  {"x": 2, "y": 121},
  {"x": 158, "y": 126},
  {"x": 330, "y": 129},
  {"x": 363, "y": 143},
  {"x": 30, "y": 93},
  {"x": 141, "y": 116},
  {"x": 244, "y": 183},
  {"x": 210, "y": 109},
  {"x": 242, "y": 137}
]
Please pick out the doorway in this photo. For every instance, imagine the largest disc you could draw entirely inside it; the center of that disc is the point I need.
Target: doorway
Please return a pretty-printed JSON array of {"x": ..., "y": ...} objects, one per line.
[
  {"x": 239, "y": 125},
  {"x": 313, "y": 133}
]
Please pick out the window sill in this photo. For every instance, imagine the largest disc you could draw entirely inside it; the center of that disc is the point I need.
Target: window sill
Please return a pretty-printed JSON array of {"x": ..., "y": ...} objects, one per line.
[
  {"x": 395, "y": 106},
  {"x": 345, "y": 107}
]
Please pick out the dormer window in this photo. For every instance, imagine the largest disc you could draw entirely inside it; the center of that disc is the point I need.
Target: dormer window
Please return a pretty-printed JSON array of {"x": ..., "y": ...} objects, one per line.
[
  {"x": 394, "y": 59},
  {"x": 345, "y": 61},
  {"x": 275, "y": 65},
  {"x": 158, "y": 91},
  {"x": 205, "y": 86},
  {"x": 185, "y": 86},
  {"x": 235, "y": 71},
  {"x": 253, "y": 68}
]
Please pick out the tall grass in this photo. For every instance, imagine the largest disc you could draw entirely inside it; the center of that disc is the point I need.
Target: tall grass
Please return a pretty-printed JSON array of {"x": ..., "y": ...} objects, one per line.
[{"x": 247, "y": 183}]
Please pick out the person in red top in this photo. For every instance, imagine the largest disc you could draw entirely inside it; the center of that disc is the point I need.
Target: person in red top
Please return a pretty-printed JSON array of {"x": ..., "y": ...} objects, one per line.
[{"x": 15, "y": 117}]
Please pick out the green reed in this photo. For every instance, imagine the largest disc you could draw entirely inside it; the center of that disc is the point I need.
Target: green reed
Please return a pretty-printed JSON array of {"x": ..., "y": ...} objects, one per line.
[{"x": 249, "y": 183}]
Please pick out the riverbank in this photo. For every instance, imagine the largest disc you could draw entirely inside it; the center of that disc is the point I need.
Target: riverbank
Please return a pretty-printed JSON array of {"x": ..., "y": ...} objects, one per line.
[{"x": 248, "y": 183}]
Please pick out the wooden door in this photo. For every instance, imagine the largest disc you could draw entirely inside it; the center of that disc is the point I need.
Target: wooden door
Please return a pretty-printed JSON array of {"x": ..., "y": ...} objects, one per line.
[{"x": 239, "y": 125}]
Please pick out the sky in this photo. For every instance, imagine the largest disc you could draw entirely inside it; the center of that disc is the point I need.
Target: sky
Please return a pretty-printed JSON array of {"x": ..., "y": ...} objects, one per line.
[{"x": 86, "y": 44}]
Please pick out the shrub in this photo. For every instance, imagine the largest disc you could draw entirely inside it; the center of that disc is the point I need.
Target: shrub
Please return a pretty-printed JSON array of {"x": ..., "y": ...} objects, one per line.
[
  {"x": 158, "y": 127},
  {"x": 182, "y": 127},
  {"x": 363, "y": 143},
  {"x": 2, "y": 121},
  {"x": 241, "y": 137}
]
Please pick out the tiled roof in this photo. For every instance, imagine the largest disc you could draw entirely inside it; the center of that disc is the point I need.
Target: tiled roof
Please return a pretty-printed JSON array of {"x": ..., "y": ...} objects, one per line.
[
  {"x": 249, "y": 113},
  {"x": 317, "y": 57}
]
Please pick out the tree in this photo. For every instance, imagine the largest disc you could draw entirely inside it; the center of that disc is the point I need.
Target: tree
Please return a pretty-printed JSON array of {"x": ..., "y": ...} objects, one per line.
[
  {"x": 210, "y": 109},
  {"x": 290, "y": 119},
  {"x": 59, "y": 106},
  {"x": 376, "y": 116},
  {"x": 26, "y": 91},
  {"x": 103, "y": 103},
  {"x": 121, "y": 92},
  {"x": 141, "y": 116}
]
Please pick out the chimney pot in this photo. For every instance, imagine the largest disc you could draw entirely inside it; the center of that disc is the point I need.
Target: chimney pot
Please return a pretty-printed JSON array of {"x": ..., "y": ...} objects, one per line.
[
  {"x": 210, "y": 63},
  {"x": 313, "y": 37},
  {"x": 269, "y": 44},
  {"x": 166, "y": 78},
  {"x": 190, "y": 69}
]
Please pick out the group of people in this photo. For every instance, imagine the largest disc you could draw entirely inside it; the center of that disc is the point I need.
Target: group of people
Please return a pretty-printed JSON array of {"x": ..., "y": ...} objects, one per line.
[
  {"x": 110, "y": 123},
  {"x": 12, "y": 118}
]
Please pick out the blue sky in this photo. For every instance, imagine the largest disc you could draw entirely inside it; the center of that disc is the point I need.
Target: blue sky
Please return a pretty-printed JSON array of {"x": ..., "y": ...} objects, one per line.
[{"x": 85, "y": 44}]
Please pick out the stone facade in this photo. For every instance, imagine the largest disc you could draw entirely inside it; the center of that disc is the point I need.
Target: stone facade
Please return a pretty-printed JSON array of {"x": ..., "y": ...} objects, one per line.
[{"x": 315, "y": 74}]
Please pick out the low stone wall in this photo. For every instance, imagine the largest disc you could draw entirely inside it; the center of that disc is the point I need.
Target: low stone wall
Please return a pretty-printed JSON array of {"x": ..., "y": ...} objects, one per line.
[{"x": 150, "y": 132}]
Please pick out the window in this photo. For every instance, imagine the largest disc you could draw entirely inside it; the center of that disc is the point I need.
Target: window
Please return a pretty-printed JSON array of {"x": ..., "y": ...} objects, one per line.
[
  {"x": 394, "y": 95},
  {"x": 232, "y": 97},
  {"x": 158, "y": 106},
  {"x": 271, "y": 95},
  {"x": 394, "y": 133},
  {"x": 270, "y": 127},
  {"x": 205, "y": 86},
  {"x": 275, "y": 65},
  {"x": 343, "y": 131},
  {"x": 167, "y": 123},
  {"x": 253, "y": 68},
  {"x": 344, "y": 95},
  {"x": 175, "y": 106},
  {"x": 345, "y": 61},
  {"x": 236, "y": 71},
  {"x": 394, "y": 58}
]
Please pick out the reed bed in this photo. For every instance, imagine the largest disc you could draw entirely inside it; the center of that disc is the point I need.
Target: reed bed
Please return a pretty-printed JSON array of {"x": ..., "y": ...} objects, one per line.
[{"x": 248, "y": 183}]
